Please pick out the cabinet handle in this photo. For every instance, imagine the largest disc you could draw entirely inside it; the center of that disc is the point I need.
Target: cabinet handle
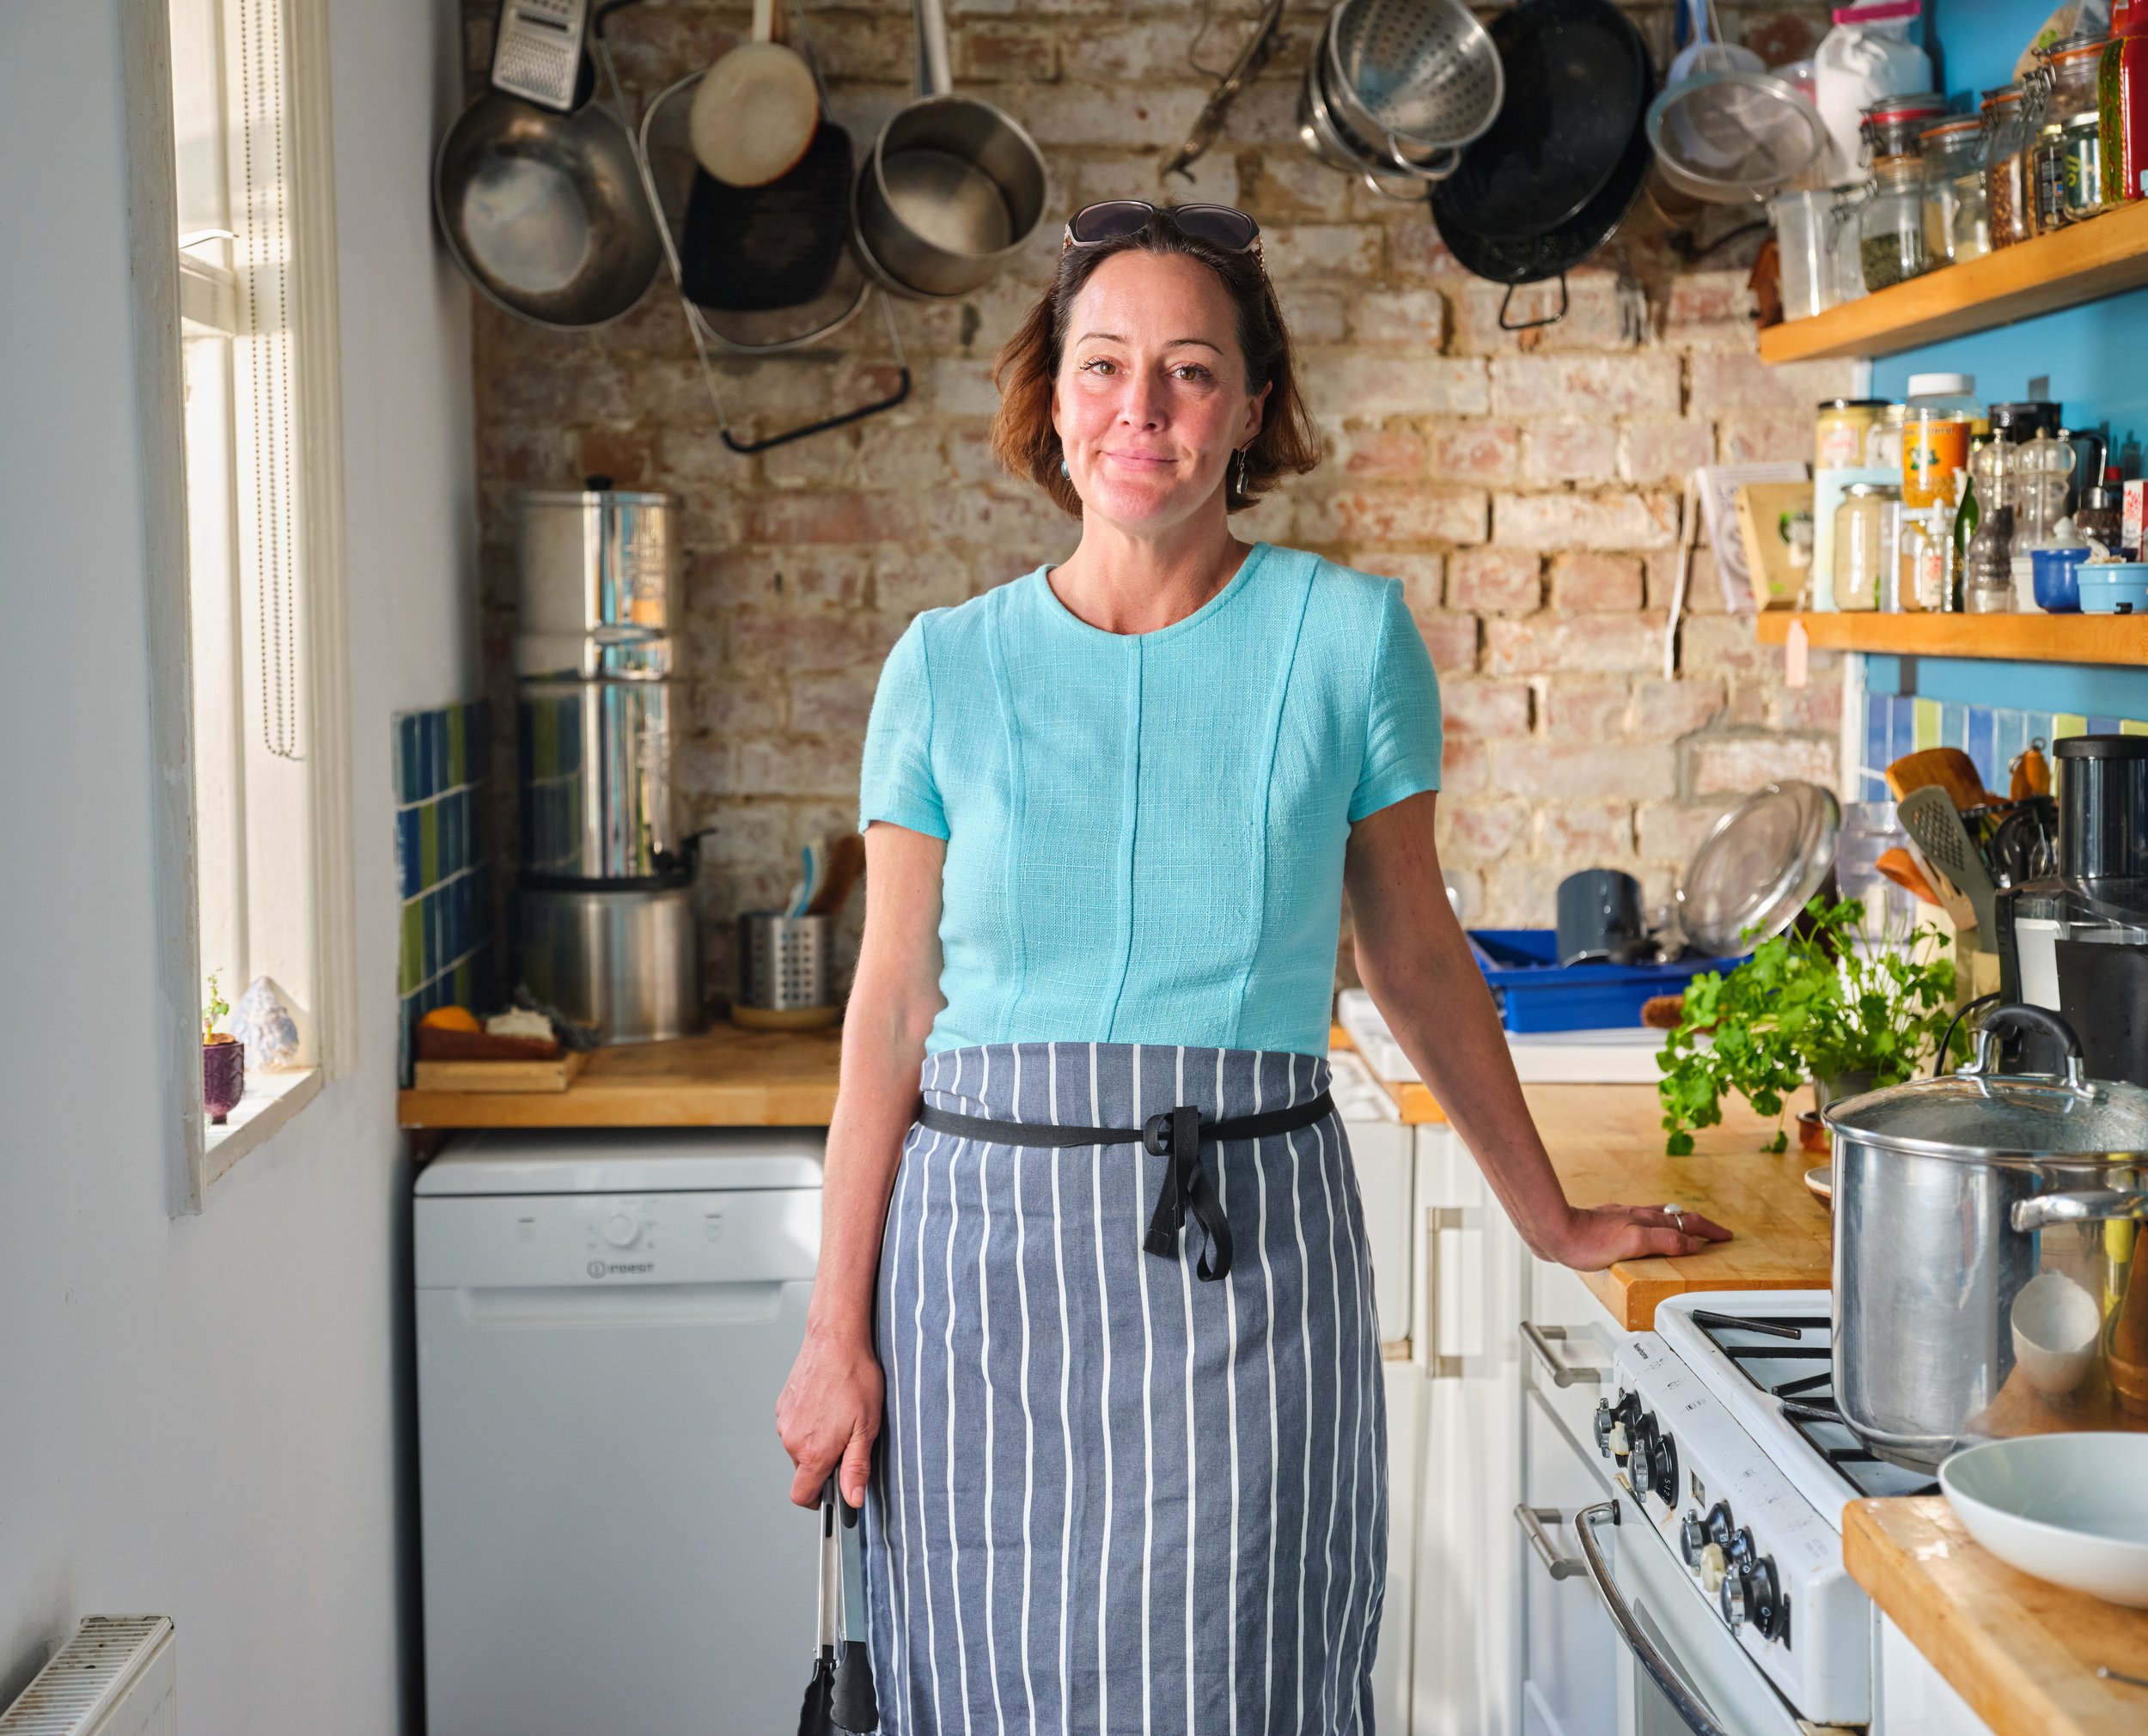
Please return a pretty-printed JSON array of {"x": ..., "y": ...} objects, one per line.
[
  {"x": 1533, "y": 1519},
  {"x": 1436, "y": 1365},
  {"x": 1562, "y": 1373}
]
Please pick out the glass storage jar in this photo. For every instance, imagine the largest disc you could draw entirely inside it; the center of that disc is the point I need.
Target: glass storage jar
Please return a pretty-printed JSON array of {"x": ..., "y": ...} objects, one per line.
[
  {"x": 2006, "y": 190},
  {"x": 2074, "y": 158},
  {"x": 1805, "y": 241},
  {"x": 1955, "y": 224},
  {"x": 1866, "y": 527},
  {"x": 1891, "y": 226}
]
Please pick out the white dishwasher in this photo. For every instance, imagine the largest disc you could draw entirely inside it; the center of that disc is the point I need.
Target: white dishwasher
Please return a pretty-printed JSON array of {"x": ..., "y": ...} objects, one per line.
[{"x": 604, "y": 1321}]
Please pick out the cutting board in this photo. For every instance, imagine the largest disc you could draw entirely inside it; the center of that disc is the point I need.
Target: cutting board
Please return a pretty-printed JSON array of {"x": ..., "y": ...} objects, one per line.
[
  {"x": 2021, "y": 1652},
  {"x": 555, "y": 1074}
]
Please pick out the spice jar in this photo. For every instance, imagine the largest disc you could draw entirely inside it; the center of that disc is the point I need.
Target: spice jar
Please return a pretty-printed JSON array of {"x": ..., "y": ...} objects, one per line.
[
  {"x": 2006, "y": 187},
  {"x": 1866, "y": 526},
  {"x": 1956, "y": 226},
  {"x": 2121, "y": 102},
  {"x": 2100, "y": 517},
  {"x": 2070, "y": 151},
  {"x": 1891, "y": 226},
  {"x": 1987, "y": 586},
  {"x": 1893, "y": 125}
]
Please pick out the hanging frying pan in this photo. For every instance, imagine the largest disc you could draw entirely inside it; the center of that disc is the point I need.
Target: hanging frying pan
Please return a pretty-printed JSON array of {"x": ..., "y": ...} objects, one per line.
[
  {"x": 1577, "y": 79},
  {"x": 1533, "y": 258}
]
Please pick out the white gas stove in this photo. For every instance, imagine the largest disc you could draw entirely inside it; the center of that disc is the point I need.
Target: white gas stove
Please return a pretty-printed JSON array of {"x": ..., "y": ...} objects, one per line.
[{"x": 1721, "y": 1426}]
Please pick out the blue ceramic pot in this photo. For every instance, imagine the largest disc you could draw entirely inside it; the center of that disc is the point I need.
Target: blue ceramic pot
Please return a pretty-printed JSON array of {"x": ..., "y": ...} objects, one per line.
[{"x": 2056, "y": 590}]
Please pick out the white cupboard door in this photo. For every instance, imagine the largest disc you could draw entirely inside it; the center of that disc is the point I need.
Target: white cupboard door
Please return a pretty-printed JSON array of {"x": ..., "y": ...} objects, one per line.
[
  {"x": 1570, "y": 1656},
  {"x": 1383, "y": 1154},
  {"x": 1468, "y": 1291}
]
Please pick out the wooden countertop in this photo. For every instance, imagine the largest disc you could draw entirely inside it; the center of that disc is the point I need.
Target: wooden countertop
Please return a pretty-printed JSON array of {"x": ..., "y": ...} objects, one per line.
[
  {"x": 1605, "y": 1140},
  {"x": 725, "y": 1077},
  {"x": 1607, "y": 1143},
  {"x": 2021, "y": 1653}
]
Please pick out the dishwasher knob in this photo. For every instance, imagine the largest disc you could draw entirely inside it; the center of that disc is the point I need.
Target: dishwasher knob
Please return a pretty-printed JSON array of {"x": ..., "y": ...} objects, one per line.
[
  {"x": 1693, "y": 1538},
  {"x": 1711, "y": 1568},
  {"x": 619, "y": 1229},
  {"x": 1734, "y": 1598}
]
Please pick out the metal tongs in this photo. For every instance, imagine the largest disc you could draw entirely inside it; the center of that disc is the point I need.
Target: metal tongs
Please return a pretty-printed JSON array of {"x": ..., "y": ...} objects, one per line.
[{"x": 839, "y": 1696}]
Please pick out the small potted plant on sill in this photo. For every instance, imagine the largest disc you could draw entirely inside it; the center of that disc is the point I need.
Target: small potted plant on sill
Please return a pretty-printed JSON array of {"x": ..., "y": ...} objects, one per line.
[
  {"x": 1811, "y": 1004},
  {"x": 223, "y": 1060}
]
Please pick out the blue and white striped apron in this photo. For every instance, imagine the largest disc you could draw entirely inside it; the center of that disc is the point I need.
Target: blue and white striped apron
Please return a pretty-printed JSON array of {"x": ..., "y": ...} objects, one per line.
[{"x": 1108, "y": 1496}]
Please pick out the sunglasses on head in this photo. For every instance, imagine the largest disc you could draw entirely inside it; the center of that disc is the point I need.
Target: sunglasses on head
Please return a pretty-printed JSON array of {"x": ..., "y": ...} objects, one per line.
[{"x": 1113, "y": 220}]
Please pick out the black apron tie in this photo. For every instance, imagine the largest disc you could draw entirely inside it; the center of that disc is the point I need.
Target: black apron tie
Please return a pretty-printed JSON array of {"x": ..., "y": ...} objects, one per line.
[{"x": 1176, "y": 1137}]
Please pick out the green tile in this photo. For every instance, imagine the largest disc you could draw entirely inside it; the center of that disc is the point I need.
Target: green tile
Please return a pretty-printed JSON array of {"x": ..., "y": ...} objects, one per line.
[
  {"x": 2132, "y": 725},
  {"x": 458, "y": 760},
  {"x": 429, "y": 844},
  {"x": 466, "y": 985},
  {"x": 1927, "y": 724},
  {"x": 411, "y": 968},
  {"x": 2067, "y": 723}
]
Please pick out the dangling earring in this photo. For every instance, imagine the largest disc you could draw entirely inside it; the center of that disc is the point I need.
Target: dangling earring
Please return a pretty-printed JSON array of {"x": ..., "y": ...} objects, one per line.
[
  {"x": 1242, "y": 472},
  {"x": 1064, "y": 470}
]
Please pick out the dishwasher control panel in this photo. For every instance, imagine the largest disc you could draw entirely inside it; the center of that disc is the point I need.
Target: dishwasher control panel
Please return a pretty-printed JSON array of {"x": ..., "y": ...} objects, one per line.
[{"x": 744, "y": 1235}]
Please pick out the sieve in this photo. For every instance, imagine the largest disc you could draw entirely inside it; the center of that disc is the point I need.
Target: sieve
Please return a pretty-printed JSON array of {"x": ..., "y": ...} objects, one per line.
[{"x": 1423, "y": 73}]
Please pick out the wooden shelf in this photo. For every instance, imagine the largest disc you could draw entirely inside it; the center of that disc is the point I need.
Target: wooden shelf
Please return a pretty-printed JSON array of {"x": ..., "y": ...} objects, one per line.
[
  {"x": 2017, "y": 638},
  {"x": 2084, "y": 262}
]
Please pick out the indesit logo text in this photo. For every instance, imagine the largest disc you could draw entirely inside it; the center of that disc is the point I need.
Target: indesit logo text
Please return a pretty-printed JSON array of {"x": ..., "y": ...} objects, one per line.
[{"x": 597, "y": 1269}]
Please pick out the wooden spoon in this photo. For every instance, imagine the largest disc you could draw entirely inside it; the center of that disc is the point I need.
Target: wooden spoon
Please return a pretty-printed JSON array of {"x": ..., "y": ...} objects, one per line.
[{"x": 1949, "y": 767}]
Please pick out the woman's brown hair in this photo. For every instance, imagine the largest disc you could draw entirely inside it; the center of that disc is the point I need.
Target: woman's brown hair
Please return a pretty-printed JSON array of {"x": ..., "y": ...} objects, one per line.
[{"x": 1027, "y": 366}]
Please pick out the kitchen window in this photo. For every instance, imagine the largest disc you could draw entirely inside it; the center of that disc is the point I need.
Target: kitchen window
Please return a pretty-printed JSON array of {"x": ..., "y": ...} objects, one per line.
[{"x": 264, "y": 649}]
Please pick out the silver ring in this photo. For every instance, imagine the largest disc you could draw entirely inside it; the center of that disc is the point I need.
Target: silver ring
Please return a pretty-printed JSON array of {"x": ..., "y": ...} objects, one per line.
[{"x": 1676, "y": 1214}]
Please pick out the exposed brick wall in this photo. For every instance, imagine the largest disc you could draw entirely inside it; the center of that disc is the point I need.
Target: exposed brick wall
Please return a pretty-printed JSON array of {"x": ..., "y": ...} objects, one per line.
[{"x": 1525, "y": 487}]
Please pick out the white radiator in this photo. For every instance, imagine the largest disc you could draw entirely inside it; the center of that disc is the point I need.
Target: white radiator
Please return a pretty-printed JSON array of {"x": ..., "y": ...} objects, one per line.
[{"x": 117, "y": 1677}]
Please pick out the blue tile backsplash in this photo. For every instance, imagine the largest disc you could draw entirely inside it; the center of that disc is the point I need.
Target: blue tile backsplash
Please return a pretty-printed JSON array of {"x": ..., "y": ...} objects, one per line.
[
  {"x": 445, "y": 941},
  {"x": 1992, "y": 736}
]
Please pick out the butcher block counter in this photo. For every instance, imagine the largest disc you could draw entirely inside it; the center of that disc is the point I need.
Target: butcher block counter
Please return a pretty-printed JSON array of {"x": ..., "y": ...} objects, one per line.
[
  {"x": 1605, "y": 1140},
  {"x": 2021, "y": 1653},
  {"x": 725, "y": 1077}
]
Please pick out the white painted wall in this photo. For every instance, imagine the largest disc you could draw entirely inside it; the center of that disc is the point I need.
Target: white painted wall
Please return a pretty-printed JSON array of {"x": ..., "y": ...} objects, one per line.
[{"x": 205, "y": 1416}]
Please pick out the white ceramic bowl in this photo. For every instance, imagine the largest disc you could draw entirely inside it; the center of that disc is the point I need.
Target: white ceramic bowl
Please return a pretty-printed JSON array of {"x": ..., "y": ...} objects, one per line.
[{"x": 2069, "y": 1508}]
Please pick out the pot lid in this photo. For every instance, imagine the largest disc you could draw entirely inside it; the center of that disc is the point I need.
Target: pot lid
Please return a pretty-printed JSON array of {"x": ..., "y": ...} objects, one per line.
[
  {"x": 1758, "y": 866},
  {"x": 2024, "y": 1116},
  {"x": 1981, "y": 1115}
]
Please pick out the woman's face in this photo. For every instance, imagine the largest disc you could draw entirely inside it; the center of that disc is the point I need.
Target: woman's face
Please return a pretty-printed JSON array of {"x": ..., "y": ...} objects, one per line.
[{"x": 1151, "y": 403}]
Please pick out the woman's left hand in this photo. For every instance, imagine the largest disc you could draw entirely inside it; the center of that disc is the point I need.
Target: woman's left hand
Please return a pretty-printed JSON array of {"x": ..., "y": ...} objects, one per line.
[{"x": 1602, "y": 1235}]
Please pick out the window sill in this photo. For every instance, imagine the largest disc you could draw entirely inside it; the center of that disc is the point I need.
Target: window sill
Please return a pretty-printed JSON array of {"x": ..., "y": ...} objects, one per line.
[{"x": 270, "y": 1102}]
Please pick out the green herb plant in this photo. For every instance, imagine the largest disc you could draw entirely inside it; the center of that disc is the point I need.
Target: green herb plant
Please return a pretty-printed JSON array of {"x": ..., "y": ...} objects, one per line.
[
  {"x": 214, "y": 1009},
  {"x": 1811, "y": 1004}
]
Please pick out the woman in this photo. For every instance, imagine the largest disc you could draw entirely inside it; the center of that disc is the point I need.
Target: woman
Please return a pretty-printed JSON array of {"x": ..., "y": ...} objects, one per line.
[{"x": 1131, "y": 1471}]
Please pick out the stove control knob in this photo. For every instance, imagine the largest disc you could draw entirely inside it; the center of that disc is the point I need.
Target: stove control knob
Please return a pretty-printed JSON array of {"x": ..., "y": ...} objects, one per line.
[
  {"x": 1618, "y": 1445},
  {"x": 1742, "y": 1551},
  {"x": 1735, "y": 1598},
  {"x": 1711, "y": 1567},
  {"x": 1662, "y": 1471},
  {"x": 1606, "y": 1425},
  {"x": 1719, "y": 1525},
  {"x": 1771, "y": 1609},
  {"x": 1693, "y": 1538}
]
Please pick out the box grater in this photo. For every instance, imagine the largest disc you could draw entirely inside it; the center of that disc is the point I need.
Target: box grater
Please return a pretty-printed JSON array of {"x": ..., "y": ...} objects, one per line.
[{"x": 537, "y": 50}]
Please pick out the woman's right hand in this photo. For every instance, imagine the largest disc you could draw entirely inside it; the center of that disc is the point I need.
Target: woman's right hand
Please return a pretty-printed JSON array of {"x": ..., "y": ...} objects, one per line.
[{"x": 829, "y": 1413}]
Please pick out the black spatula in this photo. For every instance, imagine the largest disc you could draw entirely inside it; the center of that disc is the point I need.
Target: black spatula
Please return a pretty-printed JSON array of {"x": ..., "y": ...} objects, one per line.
[{"x": 752, "y": 250}]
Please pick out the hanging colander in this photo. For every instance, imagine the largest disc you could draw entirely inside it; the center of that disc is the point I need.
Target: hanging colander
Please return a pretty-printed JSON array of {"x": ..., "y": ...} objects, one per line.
[{"x": 1424, "y": 73}]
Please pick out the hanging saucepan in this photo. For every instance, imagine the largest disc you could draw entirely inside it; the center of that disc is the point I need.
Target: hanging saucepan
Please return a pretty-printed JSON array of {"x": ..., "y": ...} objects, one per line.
[
  {"x": 951, "y": 188},
  {"x": 1578, "y": 80},
  {"x": 1533, "y": 258},
  {"x": 545, "y": 212}
]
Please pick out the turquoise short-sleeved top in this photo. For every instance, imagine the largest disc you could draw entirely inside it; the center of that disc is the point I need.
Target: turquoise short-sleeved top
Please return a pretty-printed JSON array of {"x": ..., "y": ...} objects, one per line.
[{"x": 1145, "y": 831}]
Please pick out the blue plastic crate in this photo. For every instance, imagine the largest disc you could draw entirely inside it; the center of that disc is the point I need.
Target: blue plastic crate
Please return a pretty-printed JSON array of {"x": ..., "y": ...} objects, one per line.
[{"x": 1535, "y": 992}]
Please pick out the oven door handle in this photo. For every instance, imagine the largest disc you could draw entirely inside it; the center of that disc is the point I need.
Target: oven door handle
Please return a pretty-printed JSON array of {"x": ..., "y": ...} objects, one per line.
[{"x": 1630, "y": 1630}]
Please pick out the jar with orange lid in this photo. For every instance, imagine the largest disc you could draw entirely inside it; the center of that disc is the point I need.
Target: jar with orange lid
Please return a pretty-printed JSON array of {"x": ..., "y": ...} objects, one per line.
[{"x": 1957, "y": 225}]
